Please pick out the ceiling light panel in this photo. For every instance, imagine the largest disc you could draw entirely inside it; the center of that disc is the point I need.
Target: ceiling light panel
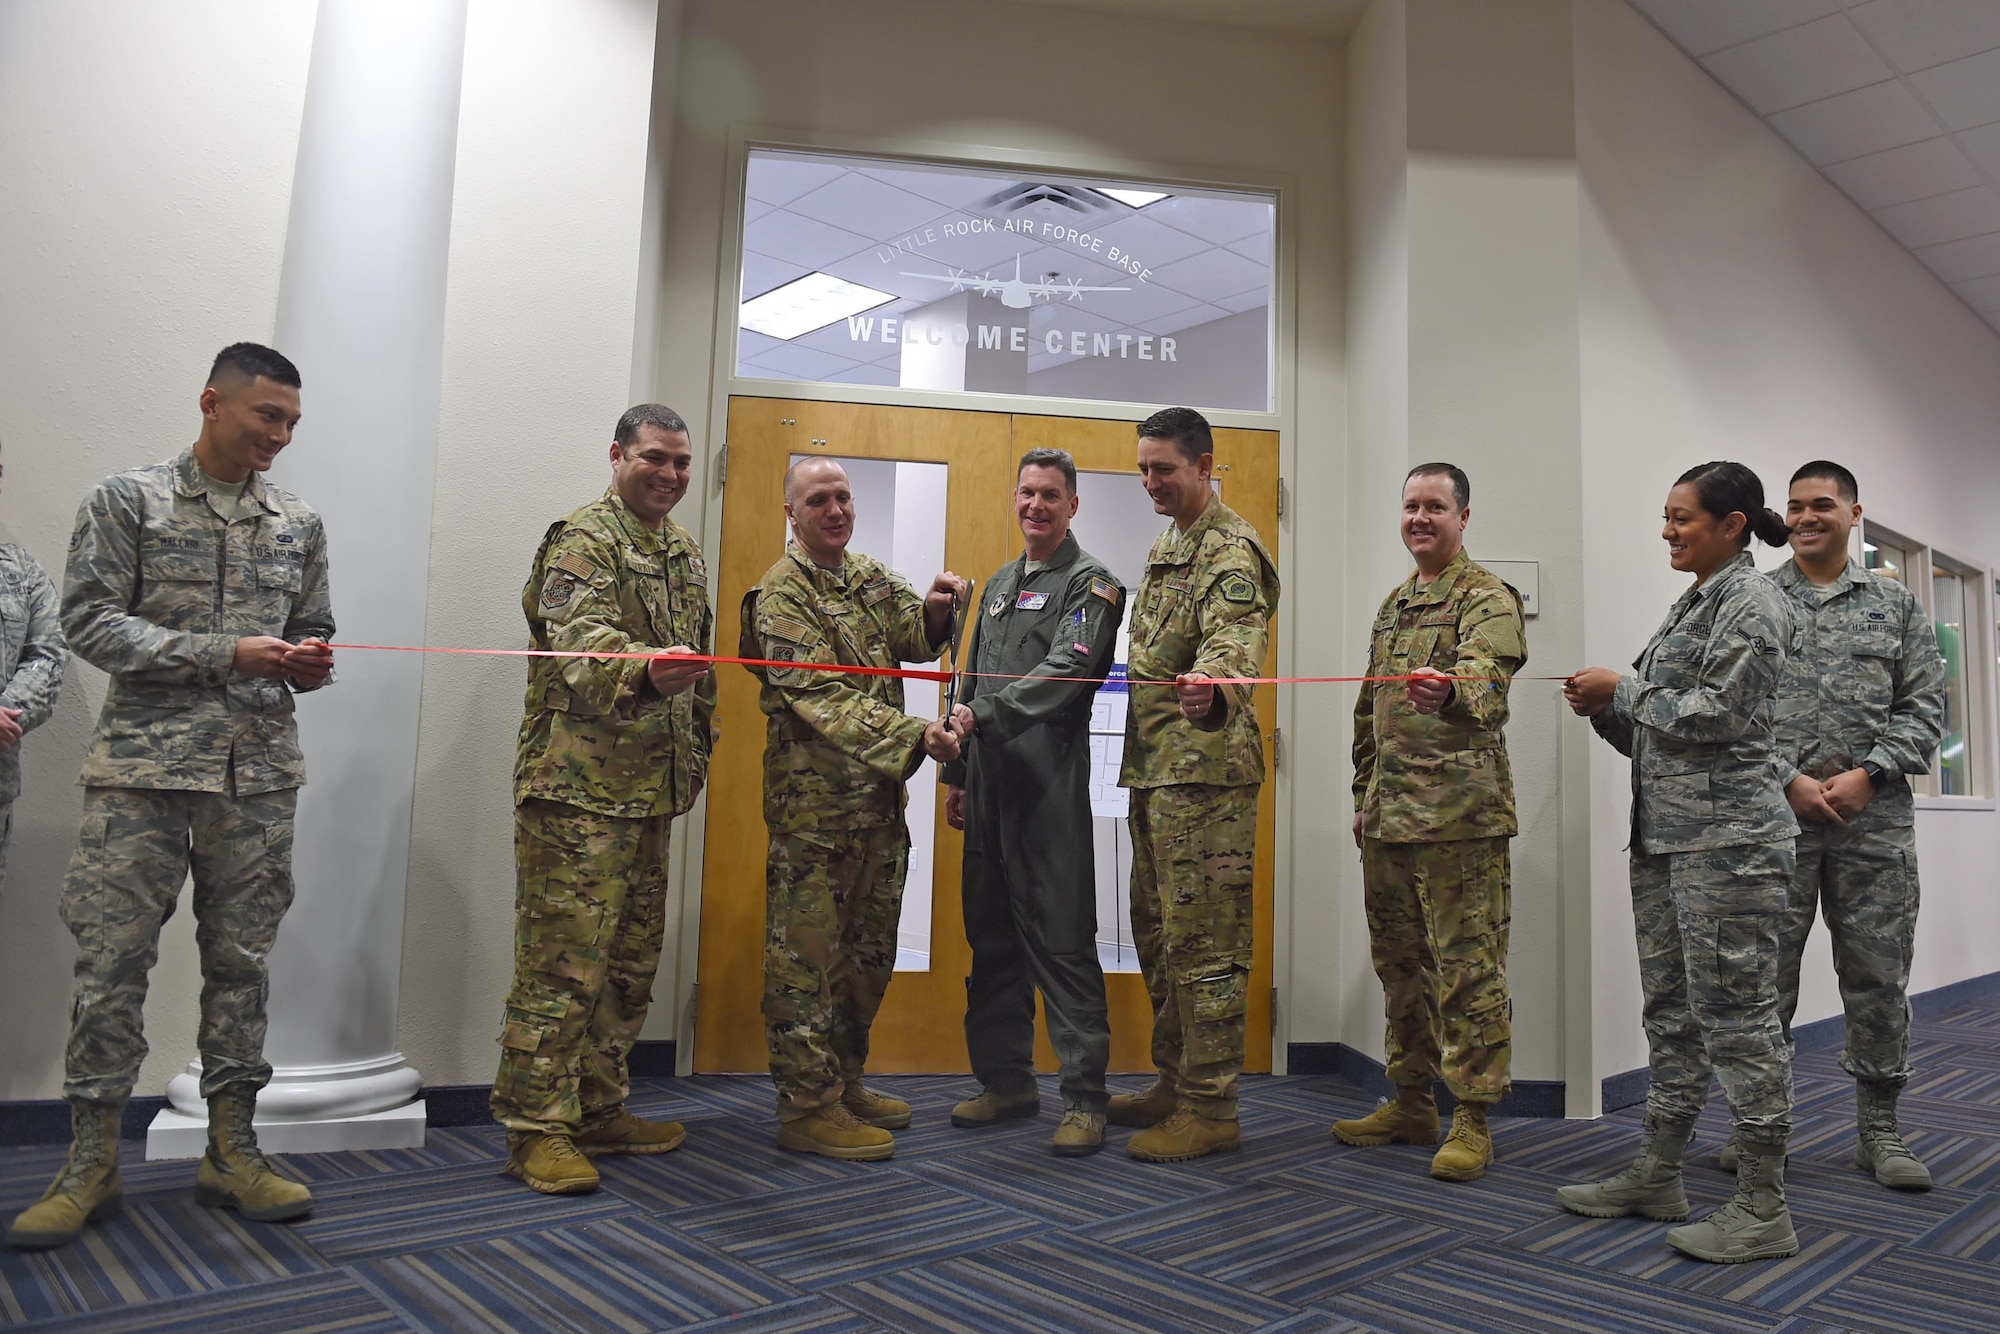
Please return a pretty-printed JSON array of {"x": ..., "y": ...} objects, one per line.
[
  {"x": 1133, "y": 198},
  {"x": 808, "y": 303}
]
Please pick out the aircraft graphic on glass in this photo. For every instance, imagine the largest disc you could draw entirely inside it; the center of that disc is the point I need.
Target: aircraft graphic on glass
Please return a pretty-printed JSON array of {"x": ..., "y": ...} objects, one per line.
[{"x": 1016, "y": 293}]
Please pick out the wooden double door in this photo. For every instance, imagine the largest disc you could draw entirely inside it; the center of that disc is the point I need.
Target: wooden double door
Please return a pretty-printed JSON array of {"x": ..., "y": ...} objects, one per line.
[{"x": 921, "y": 1025}]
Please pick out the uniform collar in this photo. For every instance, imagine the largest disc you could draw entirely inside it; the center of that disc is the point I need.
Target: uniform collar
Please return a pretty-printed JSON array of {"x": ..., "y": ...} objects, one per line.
[
  {"x": 825, "y": 580},
  {"x": 637, "y": 533},
  {"x": 1439, "y": 589},
  {"x": 1726, "y": 572},
  {"x": 191, "y": 481},
  {"x": 1062, "y": 557},
  {"x": 1793, "y": 579}
]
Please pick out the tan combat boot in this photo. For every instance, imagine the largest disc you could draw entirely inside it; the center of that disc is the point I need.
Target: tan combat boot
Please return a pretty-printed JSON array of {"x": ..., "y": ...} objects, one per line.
[
  {"x": 1754, "y": 1224},
  {"x": 626, "y": 1133},
  {"x": 1184, "y": 1135},
  {"x": 87, "y": 1188},
  {"x": 1140, "y": 1110},
  {"x": 1881, "y": 1149},
  {"x": 551, "y": 1164},
  {"x": 1080, "y": 1134},
  {"x": 1468, "y": 1150},
  {"x": 874, "y": 1109},
  {"x": 235, "y": 1174},
  {"x": 1411, "y": 1119},
  {"x": 832, "y": 1132},
  {"x": 990, "y": 1108},
  {"x": 1651, "y": 1187}
]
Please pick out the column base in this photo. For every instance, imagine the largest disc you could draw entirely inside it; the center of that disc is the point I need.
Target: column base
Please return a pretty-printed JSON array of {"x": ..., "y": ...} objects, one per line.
[{"x": 370, "y": 1104}]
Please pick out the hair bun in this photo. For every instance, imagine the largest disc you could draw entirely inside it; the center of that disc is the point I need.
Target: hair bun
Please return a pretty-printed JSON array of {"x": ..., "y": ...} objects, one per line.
[{"x": 1771, "y": 528}]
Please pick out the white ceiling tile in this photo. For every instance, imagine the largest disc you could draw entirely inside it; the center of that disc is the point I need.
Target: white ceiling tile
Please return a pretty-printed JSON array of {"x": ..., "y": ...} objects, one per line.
[
  {"x": 873, "y": 374},
  {"x": 779, "y": 180},
  {"x": 1154, "y": 244},
  {"x": 1799, "y": 65},
  {"x": 1982, "y": 294},
  {"x": 800, "y": 363},
  {"x": 785, "y": 235},
  {"x": 1701, "y": 26},
  {"x": 1187, "y": 319},
  {"x": 959, "y": 190},
  {"x": 1951, "y": 217},
  {"x": 1866, "y": 120},
  {"x": 863, "y": 204},
  {"x": 1217, "y": 220},
  {"x": 1965, "y": 92},
  {"x": 1914, "y": 171},
  {"x": 1250, "y": 300},
  {"x": 1916, "y": 34},
  {"x": 1956, "y": 261},
  {"x": 1213, "y": 274},
  {"x": 1984, "y": 145},
  {"x": 761, "y": 273}
]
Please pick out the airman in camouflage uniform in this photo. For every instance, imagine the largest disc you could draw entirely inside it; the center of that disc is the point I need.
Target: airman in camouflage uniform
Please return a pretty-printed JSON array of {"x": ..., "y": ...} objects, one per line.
[
  {"x": 610, "y": 751},
  {"x": 1712, "y": 857},
  {"x": 1194, "y": 760},
  {"x": 838, "y": 751},
  {"x": 1861, "y": 707},
  {"x": 1434, "y": 802},
  {"x": 32, "y": 657},
  {"x": 206, "y": 601}
]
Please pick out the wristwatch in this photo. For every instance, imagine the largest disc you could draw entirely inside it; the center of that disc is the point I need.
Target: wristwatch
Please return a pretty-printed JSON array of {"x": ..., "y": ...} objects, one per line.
[{"x": 1878, "y": 777}]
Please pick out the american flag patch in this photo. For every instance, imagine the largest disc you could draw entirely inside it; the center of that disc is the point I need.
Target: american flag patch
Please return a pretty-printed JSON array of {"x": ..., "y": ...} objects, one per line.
[{"x": 1105, "y": 589}]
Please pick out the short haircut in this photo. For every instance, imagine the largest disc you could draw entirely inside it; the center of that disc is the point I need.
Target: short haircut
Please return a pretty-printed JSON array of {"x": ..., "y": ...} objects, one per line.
[
  {"x": 1183, "y": 427},
  {"x": 791, "y": 473},
  {"x": 254, "y": 361},
  {"x": 636, "y": 419},
  {"x": 1827, "y": 470},
  {"x": 1461, "y": 485},
  {"x": 1059, "y": 459}
]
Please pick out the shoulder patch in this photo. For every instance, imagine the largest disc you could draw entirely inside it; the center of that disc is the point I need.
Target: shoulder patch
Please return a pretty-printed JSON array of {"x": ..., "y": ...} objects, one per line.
[
  {"x": 1105, "y": 589},
  {"x": 784, "y": 627},
  {"x": 559, "y": 594},
  {"x": 575, "y": 563},
  {"x": 1237, "y": 588}
]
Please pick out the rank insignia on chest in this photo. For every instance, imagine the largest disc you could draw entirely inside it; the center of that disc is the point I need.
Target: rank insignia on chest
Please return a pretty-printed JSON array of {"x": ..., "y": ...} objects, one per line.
[
  {"x": 1031, "y": 601},
  {"x": 997, "y": 606}
]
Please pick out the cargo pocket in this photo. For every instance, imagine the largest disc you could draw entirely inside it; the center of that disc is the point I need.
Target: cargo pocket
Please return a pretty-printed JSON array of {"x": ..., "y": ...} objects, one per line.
[
  {"x": 1218, "y": 1002},
  {"x": 1745, "y": 964}
]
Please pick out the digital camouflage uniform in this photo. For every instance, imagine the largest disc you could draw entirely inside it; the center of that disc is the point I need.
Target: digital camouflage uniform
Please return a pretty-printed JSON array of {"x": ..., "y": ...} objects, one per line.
[
  {"x": 1204, "y": 605},
  {"x": 191, "y": 763},
  {"x": 1030, "y": 884},
  {"x": 1436, "y": 799},
  {"x": 1712, "y": 840},
  {"x": 838, "y": 751},
  {"x": 603, "y": 765},
  {"x": 32, "y": 657},
  {"x": 1867, "y": 686}
]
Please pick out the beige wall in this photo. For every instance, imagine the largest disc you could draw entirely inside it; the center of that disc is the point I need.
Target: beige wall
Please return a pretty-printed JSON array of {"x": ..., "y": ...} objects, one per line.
[
  {"x": 1735, "y": 305},
  {"x": 147, "y": 155}
]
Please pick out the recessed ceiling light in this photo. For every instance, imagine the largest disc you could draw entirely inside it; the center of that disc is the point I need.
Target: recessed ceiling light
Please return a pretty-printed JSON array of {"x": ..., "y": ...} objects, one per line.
[
  {"x": 806, "y": 304},
  {"x": 1134, "y": 198}
]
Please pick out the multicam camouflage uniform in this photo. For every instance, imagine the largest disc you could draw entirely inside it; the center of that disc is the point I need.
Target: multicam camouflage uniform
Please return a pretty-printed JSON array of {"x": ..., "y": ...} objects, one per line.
[
  {"x": 1436, "y": 798},
  {"x": 603, "y": 765},
  {"x": 1867, "y": 687},
  {"x": 32, "y": 657},
  {"x": 1030, "y": 884},
  {"x": 190, "y": 761},
  {"x": 1204, "y": 605},
  {"x": 1711, "y": 848},
  {"x": 838, "y": 751}
]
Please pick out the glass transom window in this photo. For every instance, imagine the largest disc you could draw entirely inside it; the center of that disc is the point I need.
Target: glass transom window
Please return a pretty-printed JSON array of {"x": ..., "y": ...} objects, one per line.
[{"x": 925, "y": 276}]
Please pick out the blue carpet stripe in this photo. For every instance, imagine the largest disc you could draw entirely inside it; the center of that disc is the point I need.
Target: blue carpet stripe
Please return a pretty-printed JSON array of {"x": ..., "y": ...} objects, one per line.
[
  {"x": 821, "y": 1236},
  {"x": 316, "y": 1304},
  {"x": 625, "y": 1276},
  {"x": 1061, "y": 1283},
  {"x": 1483, "y": 1289},
  {"x": 157, "y": 1247},
  {"x": 1505, "y": 1200},
  {"x": 719, "y": 1161},
  {"x": 1288, "y": 1247},
  {"x": 1908, "y": 1292},
  {"x": 1065, "y": 1191},
  {"x": 1973, "y": 1233},
  {"x": 807, "y": 1315},
  {"x": 360, "y": 1219},
  {"x": 1312, "y": 1322}
]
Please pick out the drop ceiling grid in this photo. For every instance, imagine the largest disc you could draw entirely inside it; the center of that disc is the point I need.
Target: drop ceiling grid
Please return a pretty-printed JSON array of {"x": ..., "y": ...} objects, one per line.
[{"x": 1897, "y": 102}]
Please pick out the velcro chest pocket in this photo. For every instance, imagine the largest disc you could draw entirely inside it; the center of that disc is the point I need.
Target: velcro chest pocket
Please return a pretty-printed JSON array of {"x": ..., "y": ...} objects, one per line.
[
  {"x": 177, "y": 565},
  {"x": 1874, "y": 643},
  {"x": 279, "y": 575}
]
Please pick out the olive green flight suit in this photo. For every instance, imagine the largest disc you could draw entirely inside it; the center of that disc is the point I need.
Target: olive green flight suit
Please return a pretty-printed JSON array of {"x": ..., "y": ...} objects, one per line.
[{"x": 1030, "y": 882}]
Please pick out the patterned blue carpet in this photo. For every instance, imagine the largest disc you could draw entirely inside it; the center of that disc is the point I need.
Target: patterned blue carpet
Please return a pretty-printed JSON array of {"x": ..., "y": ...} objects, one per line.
[{"x": 981, "y": 1231}]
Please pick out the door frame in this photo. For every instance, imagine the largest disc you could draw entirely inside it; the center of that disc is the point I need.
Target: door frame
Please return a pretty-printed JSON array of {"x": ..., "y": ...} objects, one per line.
[{"x": 688, "y": 852}]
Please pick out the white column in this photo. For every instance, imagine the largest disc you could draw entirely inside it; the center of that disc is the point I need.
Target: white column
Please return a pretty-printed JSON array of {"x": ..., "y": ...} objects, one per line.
[{"x": 361, "y": 311}]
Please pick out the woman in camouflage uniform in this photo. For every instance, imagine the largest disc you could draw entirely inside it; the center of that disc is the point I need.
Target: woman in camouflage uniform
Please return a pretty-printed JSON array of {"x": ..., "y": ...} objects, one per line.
[{"x": 1712, "y": 847}]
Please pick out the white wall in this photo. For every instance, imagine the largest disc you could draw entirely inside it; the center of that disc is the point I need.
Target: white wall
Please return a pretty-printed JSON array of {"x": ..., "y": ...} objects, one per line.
[
  {"x": 147, "y": 155},
  {"x": 1735, "y": 305}
]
